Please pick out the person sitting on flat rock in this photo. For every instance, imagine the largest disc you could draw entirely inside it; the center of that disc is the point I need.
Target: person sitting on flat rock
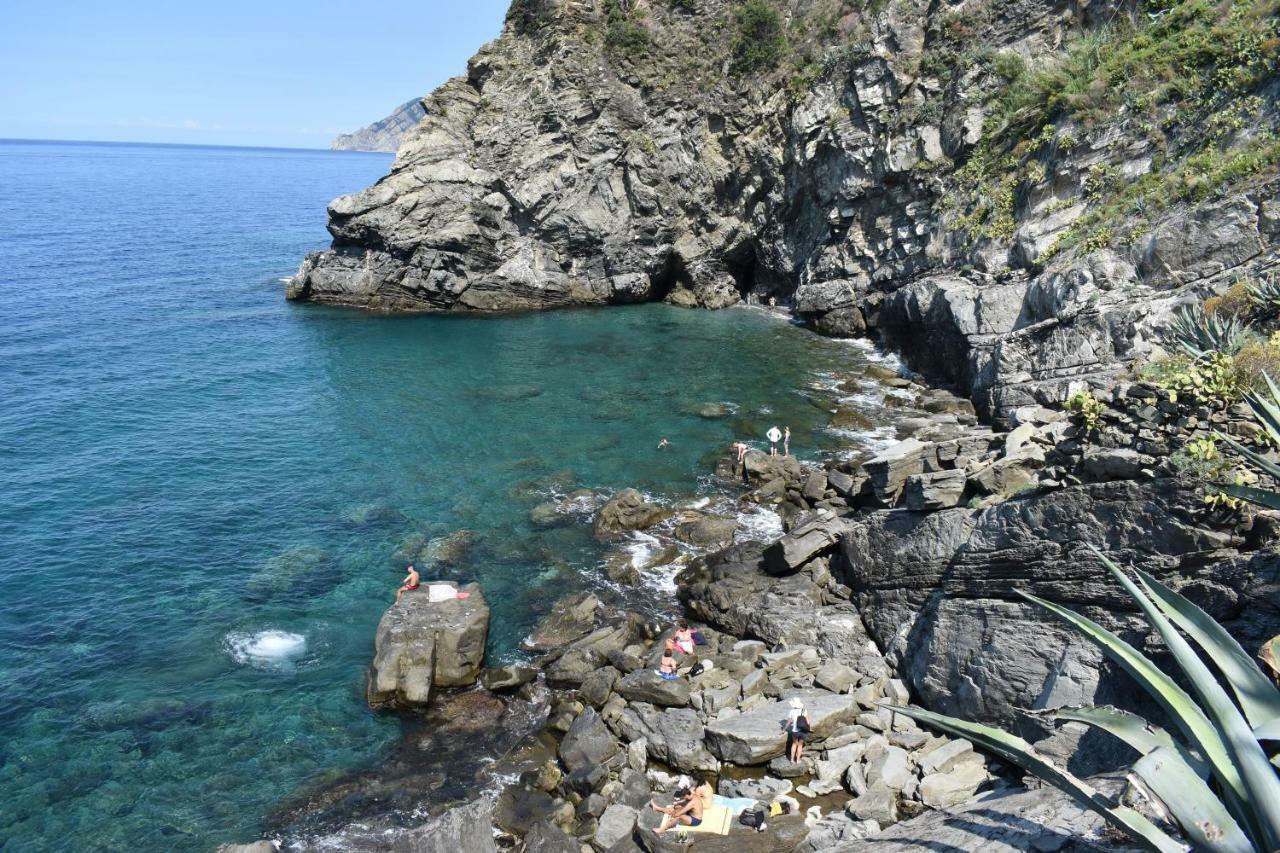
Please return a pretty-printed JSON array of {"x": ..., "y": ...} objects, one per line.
[
  {"x": 667, "y": 666},
  {"x": 409, "y": 585},
  {"x": 681, "y": 639},
  {"x": 686, "y": 811}
]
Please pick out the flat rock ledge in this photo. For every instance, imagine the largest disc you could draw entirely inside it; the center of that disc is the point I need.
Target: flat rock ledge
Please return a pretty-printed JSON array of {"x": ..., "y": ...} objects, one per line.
[{"x": 422, "y": 644}]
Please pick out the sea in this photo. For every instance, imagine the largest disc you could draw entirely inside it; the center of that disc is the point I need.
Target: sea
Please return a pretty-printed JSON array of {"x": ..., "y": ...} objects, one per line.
[{"x": 208, "y": 494}]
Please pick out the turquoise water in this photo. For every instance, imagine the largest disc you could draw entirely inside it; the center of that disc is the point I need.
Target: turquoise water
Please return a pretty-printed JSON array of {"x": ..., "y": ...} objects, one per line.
[{"x": 203, "y": 487}]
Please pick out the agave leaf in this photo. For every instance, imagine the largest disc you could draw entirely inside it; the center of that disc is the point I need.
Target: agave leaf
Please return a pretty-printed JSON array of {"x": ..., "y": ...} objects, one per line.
[
  {"x": 1259, "y": 797},
  {"x": 1258, "y": 697},
  {"x": 1133, "y": 730},
  {"x": 1180, "y": 707},
  {"x": 1251, "y": 456},
  {"x": 1193, "y": 805},
  {"x": 1270, "y": 730},
  {"x": 1261, "y": 497},
  {"x": 1017, "y": 751}
]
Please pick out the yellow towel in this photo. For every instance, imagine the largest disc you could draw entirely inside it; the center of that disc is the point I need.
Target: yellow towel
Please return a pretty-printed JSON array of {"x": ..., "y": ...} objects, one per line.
[{"x": 715, "y": 819}]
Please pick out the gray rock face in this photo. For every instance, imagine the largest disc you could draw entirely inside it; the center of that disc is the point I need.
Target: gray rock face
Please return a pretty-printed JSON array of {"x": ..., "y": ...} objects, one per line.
[
  {"x": 936, "y": 590},
  {"x": 1000, "y": 822},
  {"x": 757, "y": 736},
  {"x": 384, "y": 134},
  {"x": 673, "y": 736},
  {"x": 588, "y": 743},
  {"x": 420, "y": 644}
]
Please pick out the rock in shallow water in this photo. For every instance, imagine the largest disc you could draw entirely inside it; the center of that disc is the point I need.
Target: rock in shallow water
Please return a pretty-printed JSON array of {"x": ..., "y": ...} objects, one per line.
[{"x": 422, "y": 644}]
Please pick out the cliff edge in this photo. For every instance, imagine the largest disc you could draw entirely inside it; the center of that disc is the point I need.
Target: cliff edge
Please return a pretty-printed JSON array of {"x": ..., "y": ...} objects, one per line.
[
  {"x": 1011, "y": 194},
  {"x": 382, "y": 135}
]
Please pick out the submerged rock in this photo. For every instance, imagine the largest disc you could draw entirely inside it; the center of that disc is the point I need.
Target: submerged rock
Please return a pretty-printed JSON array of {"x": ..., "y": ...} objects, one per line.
[{"x": 627, "y": 511}]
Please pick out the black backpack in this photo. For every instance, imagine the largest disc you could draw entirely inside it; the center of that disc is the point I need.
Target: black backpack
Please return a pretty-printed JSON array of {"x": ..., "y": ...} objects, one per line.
[{"x": 752, "y": 817}]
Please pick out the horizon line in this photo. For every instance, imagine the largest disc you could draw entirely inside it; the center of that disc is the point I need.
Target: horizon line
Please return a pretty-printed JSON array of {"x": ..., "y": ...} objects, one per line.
[{"x": 4, "y": 139}]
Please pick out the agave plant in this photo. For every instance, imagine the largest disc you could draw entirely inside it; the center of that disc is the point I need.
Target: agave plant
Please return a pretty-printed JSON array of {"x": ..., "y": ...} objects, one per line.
[
  {"x": 1266, "y": 411},
  {"x": 1200, "y": 335},
  {"x": 1264, "y": 293},
  {"x": 1211, "y": 776}
]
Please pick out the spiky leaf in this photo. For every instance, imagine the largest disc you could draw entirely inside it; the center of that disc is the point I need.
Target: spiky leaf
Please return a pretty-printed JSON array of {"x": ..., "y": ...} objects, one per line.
[
  {"x": 1132, "y": 729},
  {"x": 1199, "y": 813}
]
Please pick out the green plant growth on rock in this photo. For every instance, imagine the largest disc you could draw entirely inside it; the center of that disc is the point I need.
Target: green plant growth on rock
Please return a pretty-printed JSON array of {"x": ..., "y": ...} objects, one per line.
[
  {"x": 1199, "y": 334},
  {"x": 1265, "y": 406},
  {"x": 1187, "y": 78},
  {"x": 1088, "y": 407},
  {"x": 622, "y": 35},
  {"x": 1201, "y": 459},
  {"x": 760, "y": 42},
  {"x": 1209, "y": 774}
]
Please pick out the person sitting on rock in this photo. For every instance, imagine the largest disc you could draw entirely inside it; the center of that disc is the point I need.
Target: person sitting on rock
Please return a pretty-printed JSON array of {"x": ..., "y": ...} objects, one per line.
[
  {"x": 667, "y": 666},
  {"x": 797, "y": 725},
  {"x": 701, "y": 788},
  {"x": 681, "y": 639},
  {"x": 685, "y": 811},
  {"x": 409, "y": 585}
]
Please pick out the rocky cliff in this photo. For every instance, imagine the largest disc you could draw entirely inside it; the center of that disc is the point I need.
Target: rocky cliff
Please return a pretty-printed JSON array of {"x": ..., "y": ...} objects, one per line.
[
  {"x": 1010, "y": 194},
  {"x": 383, "y": 135}
]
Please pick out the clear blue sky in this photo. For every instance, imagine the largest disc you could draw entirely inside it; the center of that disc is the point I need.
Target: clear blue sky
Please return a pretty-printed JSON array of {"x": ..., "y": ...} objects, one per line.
[{"x": 228, "y": 72}]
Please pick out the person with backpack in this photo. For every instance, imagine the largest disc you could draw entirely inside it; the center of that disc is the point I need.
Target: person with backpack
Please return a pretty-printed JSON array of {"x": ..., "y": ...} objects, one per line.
[{"x": 797, "y": 726}]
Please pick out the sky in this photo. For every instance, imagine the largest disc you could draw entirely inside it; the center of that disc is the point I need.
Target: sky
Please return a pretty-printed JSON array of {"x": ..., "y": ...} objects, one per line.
[{"x": 230, "y": 72}]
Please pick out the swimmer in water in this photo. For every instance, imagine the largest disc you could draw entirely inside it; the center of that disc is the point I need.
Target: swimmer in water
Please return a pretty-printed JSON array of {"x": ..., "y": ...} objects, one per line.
[
  {"x": 663, "y": 443},
  {"x": 410, "y": 583}
]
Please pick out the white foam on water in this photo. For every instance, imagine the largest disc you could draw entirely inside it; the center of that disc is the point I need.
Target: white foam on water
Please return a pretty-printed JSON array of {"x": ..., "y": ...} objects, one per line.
[
  {"x": 265, "y": 649},
  {"x": 643, "y": 548},
  {"x": 759, "y": 524}
]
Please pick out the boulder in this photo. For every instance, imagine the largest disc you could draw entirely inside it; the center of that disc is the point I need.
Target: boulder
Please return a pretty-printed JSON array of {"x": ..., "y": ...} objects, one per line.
[
  {"x": 518, "y": 808},
  {"x": 837, "y": 677},
  {"x": 422, "y": 644},
  {"x": 757, "y": 736},
  {"x": 708, "y": 531},
  {"x": 627, "y": 511},
  {"x": 802, "y": 544},
  {"x": 545, "y": 837},
  {"x": 879, "y": 803},
  {"x": 890, "y": 468},
  {"x": 646, "y": 685},
  {"x": 571, "y": 618},
  {"x": 615, "y": 824},
  {"x": 673, "y": 736},
  {"x": 761, "y": 468},
  {"x": 588, "y": 743},
  {"x": 507, "y": 677},
  {"x": 935, "y": 490},
  {"x": 943, "y": 790},
  {"x": 784, "y": 834}
]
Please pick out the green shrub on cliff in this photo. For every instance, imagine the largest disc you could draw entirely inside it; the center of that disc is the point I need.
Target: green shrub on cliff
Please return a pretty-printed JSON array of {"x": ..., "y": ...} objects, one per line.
[
  {"x": 622, "y": 35},
  {"x": 760, "y": 41},
  {"x": 1209, "y": 777}
]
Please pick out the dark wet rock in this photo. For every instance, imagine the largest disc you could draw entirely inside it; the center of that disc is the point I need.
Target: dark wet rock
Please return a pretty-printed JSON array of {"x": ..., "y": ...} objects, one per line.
[
  {"x": 571, "y": 618},
  {"x": 627, "y": 511},
  {"x": 305, "y": 567},
  {"x": 453, "y": 550},
  {"x": 420, "y": 644},
  {"x": 646, "y": 685},
  {"x": 507, "y": 677},
  {"x": 518, "y": 808},
  {"x": 462, "y": 829},
  {"x": 841, "y": 323}
]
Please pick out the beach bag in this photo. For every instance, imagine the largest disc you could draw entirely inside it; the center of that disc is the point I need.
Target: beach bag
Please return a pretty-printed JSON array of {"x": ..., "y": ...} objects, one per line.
[
  {"x": 752, "y": 817},
  {"x": 698, "y": 639},
  {"x": 698, "y": 669},
  {"x": 802, "y": 724}
]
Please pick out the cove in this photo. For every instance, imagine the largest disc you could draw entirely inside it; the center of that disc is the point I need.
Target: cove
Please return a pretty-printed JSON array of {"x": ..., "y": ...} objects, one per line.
[{"x": 208, "y": 493}]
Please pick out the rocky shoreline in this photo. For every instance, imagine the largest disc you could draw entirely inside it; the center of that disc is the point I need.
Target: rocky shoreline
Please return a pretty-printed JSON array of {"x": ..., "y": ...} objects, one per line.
[{"x": 893, "y": 583}]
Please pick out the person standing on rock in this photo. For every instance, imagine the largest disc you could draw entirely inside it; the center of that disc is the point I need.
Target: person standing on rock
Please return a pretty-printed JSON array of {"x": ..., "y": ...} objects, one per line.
[
  {"x": 410, "y": 583},
  {"x": 797, "y": 730},
  {"x": 786, "y": 441},
  {"x": 774, "y": 436}
]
